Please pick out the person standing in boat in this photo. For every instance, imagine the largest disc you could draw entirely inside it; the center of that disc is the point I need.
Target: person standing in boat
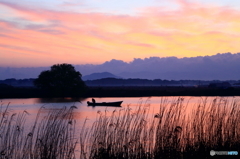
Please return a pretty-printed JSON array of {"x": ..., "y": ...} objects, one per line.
[{"x": 93, "y": 100}]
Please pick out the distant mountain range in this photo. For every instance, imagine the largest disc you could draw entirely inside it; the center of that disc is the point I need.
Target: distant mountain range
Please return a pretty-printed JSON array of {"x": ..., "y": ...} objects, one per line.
[{"x": 101, "y": 75}]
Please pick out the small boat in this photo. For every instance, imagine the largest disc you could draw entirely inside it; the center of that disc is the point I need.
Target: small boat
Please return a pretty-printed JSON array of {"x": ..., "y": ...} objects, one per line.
[{"x": 115, "y": 104}]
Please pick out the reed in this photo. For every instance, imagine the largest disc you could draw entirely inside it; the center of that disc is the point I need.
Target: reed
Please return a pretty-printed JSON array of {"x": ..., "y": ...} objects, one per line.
[
  {"x": 171, "y": 133},
  {"x": 50, "y": 137}
]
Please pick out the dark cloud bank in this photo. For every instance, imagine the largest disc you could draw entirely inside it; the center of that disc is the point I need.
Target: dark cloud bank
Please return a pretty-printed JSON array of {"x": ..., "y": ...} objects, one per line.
[{"x": 217, "y": 67}]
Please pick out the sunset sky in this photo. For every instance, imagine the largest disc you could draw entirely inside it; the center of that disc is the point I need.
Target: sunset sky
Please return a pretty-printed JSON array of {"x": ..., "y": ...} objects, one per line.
[{"x": 46, "y": 32}]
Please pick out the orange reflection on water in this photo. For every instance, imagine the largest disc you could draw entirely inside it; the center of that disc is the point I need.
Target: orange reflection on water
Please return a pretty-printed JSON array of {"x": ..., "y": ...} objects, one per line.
[{"x": 32, "y": 106}]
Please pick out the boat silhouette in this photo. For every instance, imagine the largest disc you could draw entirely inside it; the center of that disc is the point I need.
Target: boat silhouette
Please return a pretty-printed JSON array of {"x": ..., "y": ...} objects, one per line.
[{"x": 115, "y": 104}]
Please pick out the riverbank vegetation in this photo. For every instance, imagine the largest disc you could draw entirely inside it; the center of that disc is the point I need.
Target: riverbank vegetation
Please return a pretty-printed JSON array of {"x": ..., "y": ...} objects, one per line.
[
  {"x": 176, "y": 131},
  {"x": 50, "y": 137}
]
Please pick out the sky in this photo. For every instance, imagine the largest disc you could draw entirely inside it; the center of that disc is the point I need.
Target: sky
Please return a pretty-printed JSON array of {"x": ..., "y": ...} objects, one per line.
[{"x": 36, "y": 33}]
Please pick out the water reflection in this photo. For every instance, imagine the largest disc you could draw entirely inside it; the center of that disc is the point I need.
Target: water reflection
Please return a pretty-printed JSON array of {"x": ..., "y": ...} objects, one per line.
[
  {"x": 83, "y": 111},
  {"x": 60, "y": 100}
]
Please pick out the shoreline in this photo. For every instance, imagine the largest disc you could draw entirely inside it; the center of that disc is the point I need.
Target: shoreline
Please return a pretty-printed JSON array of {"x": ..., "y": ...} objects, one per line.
[{"x": 133, "y": 91}]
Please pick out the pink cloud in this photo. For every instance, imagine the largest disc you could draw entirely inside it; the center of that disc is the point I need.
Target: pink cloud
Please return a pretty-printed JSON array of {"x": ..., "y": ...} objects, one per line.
[
  {"x": 140, "y": 44},
  {"x": 6, "y": 24},
  {"x": 24, "y": 49},
  {"x": 182, "y": 32}
]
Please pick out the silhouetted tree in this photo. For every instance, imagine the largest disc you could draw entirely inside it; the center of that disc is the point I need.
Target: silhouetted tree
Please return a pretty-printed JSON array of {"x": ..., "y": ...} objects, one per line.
[{"x": 61, "y": 80}]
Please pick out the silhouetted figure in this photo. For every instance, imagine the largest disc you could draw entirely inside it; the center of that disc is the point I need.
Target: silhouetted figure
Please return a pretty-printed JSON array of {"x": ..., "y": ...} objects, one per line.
[{"x": 93, "y": 100}]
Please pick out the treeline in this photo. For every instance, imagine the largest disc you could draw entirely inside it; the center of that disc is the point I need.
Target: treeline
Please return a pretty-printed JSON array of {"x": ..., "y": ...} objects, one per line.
[
  {"x": 147, "y": 82},
  {"x": 121, "y": 82},
  {"x": 17, "y": 82}
]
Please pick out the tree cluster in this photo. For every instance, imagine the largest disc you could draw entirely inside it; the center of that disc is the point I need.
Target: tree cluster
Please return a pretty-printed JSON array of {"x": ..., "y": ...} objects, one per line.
[{"x": 61, "y": 80}]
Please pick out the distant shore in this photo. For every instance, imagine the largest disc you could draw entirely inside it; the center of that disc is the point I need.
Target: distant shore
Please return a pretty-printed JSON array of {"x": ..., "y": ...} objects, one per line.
[{"x": 133, "y": 91}]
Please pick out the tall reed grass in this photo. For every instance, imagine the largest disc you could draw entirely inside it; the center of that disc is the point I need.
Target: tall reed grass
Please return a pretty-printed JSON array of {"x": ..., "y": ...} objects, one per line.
[
  {"x": 50, "y": 137},
  {"x": 176, "y": 131},
  {"x": 173, "y": 132}
]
